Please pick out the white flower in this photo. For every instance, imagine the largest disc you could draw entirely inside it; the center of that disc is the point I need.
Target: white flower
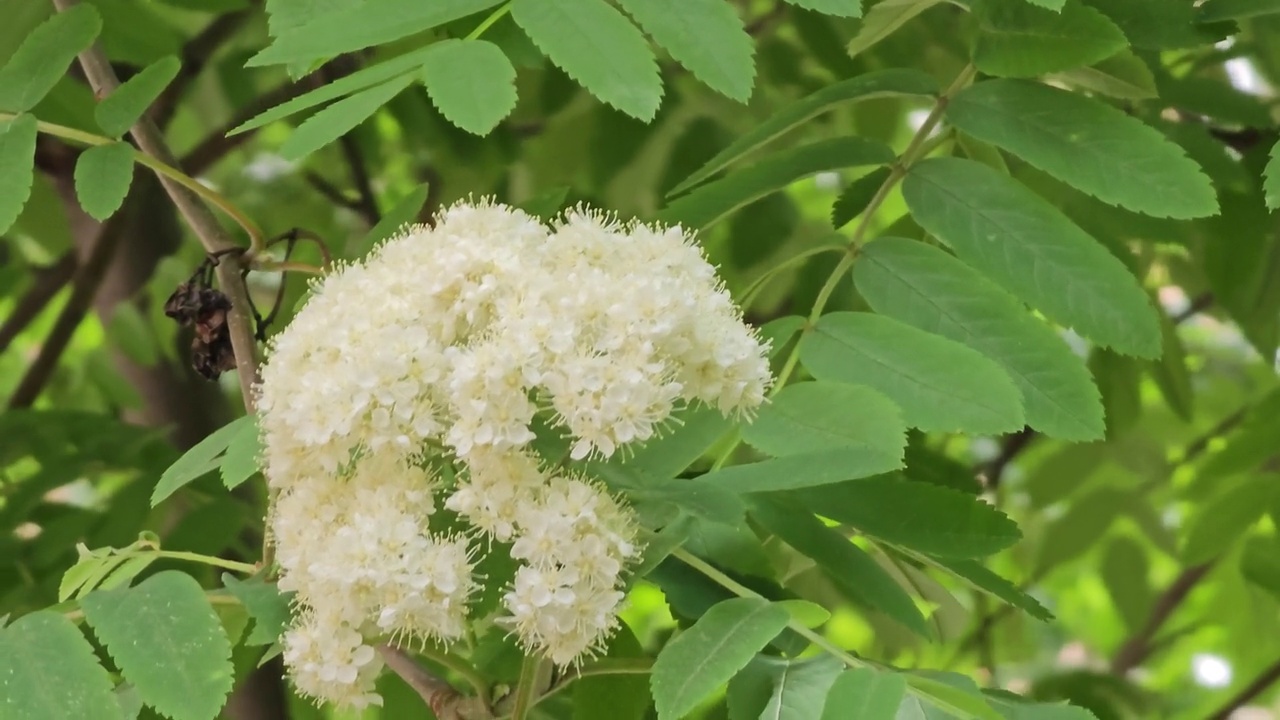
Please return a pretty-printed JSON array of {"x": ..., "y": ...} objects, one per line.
[
  {"x": 330, "y": 661},
  {"x": 451, "y": 343}
]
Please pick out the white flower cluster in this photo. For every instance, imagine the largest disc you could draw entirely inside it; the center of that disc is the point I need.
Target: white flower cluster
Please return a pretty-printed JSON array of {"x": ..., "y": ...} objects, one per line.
[{"x": 449, "y": 340}]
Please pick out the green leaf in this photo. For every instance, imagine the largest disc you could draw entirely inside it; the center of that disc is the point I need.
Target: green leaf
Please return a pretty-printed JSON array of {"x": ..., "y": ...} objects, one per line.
[
  {"x": 17, "y": 166},
  {"x": 241, "y": 459},
  {"x": 546, "y": 205},
  {"x": 89, "y": 566},
  {"x": 712, "y": 651},
  {"x": 799, "y": 687},
  {"x": 982, "y": 578},
  {"x": 616, "y": 696},
  {"x": 1171, "y": 373},
  {"x": 1086, "y": 144},
  {"x": 405, "y": 212},
  {"x": 1271, "y": 185},
  {"x": 883, "y": 19},
  {"x": 857, "y": 196},
  {"x": 1018, "y": 39},
  {"x": 667, "y": 455},
  {"x": 1123, "y": 75},
  {"x": 809, "y": 614},
  {"x": 1228, "y": 516},
  {"x": 962, "y": 701},
  {"x": 705, "y": 36},
  {"x": 124, "y": 573},
  {"x": 42, "y": 58},
  {"x": 1260, "y": 564},
  {"x": 779, "y": 332},
  {"x": 814, "y": 416},
  {"x": 49, "y": 670},
  {"x": 1071, "y": 534},
  {"x": 269, "y": 608},
  {"x": 927, "y": 518},
  {"x": 199, "y": 460},
  {"x": 471, "y": 82},
  {"x": 1219, "y": 10},
  {"x": 1021, "y": 710},
  {"x": 103, "y": 175},
  {"x": 355, "y": 27},
  {"x": 1054, "y": 5},
  {"x": 699, "y": 499},
  {"x": 808, "y": 469},
  {"x": 131, "y": 333},
  {"x": 117, "y": 112},
  {"x": 1249, "y": 445},
  {"x": 839, "y": 8},
  {"x": 285, "y": 15},
  {"x": 875, "y": 84},
  {"x": 924, "y": 286},
  {"x": 340, "y": 118},
  {"x": 1124, "y": 571},
  {"x": 368, "y": 77},
  {"x": 939, "y": 384},
  {"x": 855, "y": 572},
  {"x": 597, "y": 46},
  {"x": 866, "y": 694},
  {"x": 1156, "y": 24},
  {"x": 1030, "y": 248},
  {"x": 167, "y": 641},
  {"x": 713, "y": 201}
]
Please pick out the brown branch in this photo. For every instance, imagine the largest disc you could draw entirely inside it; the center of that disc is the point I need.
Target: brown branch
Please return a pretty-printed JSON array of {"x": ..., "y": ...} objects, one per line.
[
  {"x": 1259, "y": 685},
  {"x": 87, "y": 280},
  {"x": 368, "y": 204},
  {"x": 1012, "y": 447},
  {"x": 49, "y": 281},
  {"x": 102, "y": 78},
  {"x": 1198, "y": 304},
  {"x": 445, "y": 701},
  {"x": 1134, "y": 651}
]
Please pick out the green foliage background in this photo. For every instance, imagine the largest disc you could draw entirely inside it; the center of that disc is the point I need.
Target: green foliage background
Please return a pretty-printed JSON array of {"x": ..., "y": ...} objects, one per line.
[{"x": 1018, "y": 259}]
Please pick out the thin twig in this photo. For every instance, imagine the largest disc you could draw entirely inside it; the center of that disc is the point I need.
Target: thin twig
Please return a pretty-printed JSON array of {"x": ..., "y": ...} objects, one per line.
[
  {"x": 1141, "y": 644},
  {"x": 368, "y": 204},
  {"x": 1198, "y": 304},
  {"x": 446, "y": 702},
  {"x": 102, "y": 79},
  {"x": 1259, "y": 685},
  {"x": 49, "y": 281},
  {"x": 1013, "y": 446},
  {"x": 87, "y": 280}
]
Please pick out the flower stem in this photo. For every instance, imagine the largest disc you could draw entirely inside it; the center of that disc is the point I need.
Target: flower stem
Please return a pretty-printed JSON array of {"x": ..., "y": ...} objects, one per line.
[
  {"x": 460, "y": 667},
  {"x": 212, "y": 197},
  {"x": 527, "y": 689},
  {"x": 741, "y": 590},
  {"x": 245, "y": 568},
  {"x": 488, "y": 22},
  {"x": 917, "y": 148}
]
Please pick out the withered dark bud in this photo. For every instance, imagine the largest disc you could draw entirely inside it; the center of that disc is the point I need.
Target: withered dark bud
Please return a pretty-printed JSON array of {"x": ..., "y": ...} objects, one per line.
[{"x": 196, "y": 304}]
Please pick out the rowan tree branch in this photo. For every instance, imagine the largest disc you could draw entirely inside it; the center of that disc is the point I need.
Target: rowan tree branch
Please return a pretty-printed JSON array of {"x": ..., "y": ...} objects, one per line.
[
  {"x": 1265, "y": 679},
  {"x": 443, "y": 699},
  {"x": 215, "y": 239},
  {"x": 368, "y": 203},
  {"x": 1135, "y": 650},
  {"x": 87, "y": 280},
  {"x": 49, "y": 281}
]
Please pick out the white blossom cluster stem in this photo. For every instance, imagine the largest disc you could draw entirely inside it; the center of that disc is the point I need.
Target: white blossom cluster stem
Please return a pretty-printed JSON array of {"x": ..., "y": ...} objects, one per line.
[{"x": 446, "y": 344}]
